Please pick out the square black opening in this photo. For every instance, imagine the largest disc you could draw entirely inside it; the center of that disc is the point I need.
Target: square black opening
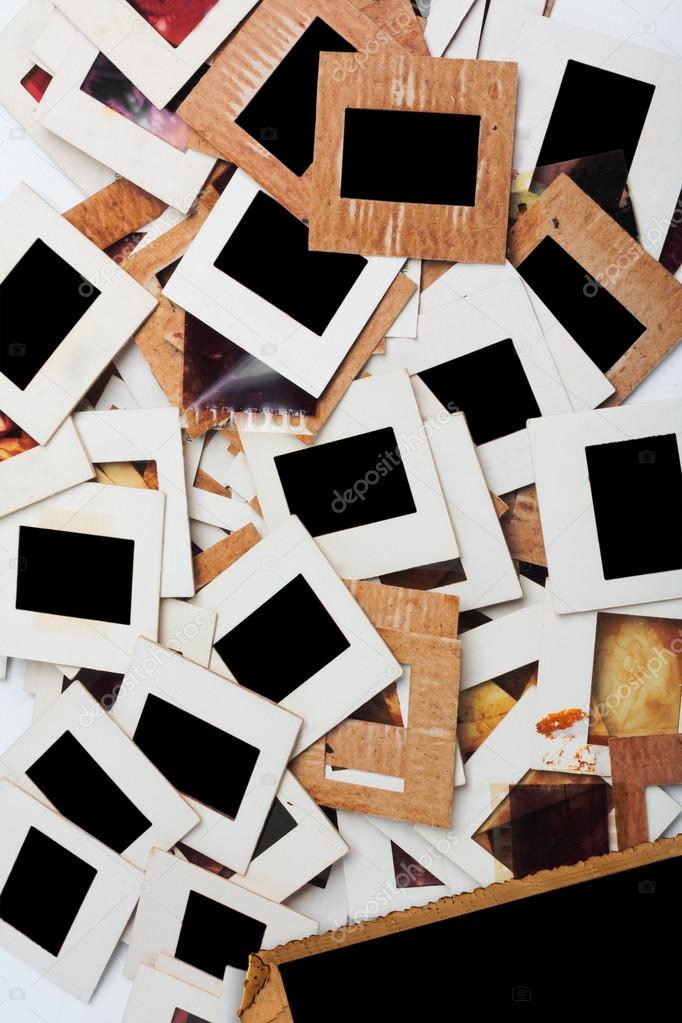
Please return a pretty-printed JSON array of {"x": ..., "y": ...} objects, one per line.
[
  {"x": 490, "y": 386},
  {"x": 268, "y": 253},
  {"x": 637, "y": 497},
  {"x": 214, "y": 936},
  {"x": 285, "y": 128},
  {"x": 83, "y": 792},
  {"x": 278, "y": 823},
  {"x": 51, "y": 575},
  {"x": 31, "y": 331},
  {"x": 275, "y": 666},
  {"x": 346, "y": 483},
  {"x": 596, "y": 111},
  {"x": 45, "y": 890},
  {"x": 200, "y": 760},
  {"x": 603, "y": 328},
  {"x": 410, "y": 156}
]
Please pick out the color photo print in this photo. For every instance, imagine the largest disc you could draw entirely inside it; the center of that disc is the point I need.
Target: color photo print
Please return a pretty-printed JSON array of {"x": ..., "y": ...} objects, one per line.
[
  {"x": 637, "y": 677},
  {"x": 36, "y": 82},
  {"x": 182, "y": 1016},
  {"x": 13, "y": 440},
  {"x": 173, "y": 19},
  {"x": 105, "y": 83}
]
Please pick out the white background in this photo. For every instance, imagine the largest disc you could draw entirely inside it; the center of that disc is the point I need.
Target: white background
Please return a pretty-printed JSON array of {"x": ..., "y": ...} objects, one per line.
[{"x": 24, "y": 996}]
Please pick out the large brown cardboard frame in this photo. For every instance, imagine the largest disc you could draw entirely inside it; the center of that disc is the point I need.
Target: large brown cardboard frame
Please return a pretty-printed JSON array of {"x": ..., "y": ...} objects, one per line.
[
  {"x": 420, "y": 629},
  {"x": 473, "y": 234},
  {"x": 265, "y": 999}
]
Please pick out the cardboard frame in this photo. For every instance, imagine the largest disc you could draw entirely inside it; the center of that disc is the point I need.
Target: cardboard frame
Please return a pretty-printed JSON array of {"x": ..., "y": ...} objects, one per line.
[
  {"x": 113, "y": 212},
  {"x": 364, "y": 668},
  {"x": 74, "y": 713},
  {"x": 304, "y": 852},
  {"x": 470, "y": 308},
  {"x": 16, "y": 61},
  {"x": 474, "y": 234},
  {"x": 234, "y": 710},
  {"x": 157, "y": 68},
  {"x": 543, "y": 48},
  {"x": 91, "y": 508},
  {"x": 565, "y": 682},
  {"x": 381, "y": 547},
  {"x": 266, "y": 332},
  {"x": 423, "y": 752},
  {"x": 156, "y": 995},
  {"x": 103, "y": 914},
  {"x": 245, "y": 65},
  {"x": 99, "y": 334},
  {"x": 637, "y": 762},
  {"x": 558, "y": 445},
  {"x": 617, "y": 263},
  {"x": 151, "y": 163},
  {"x": 130, "y": 435},
  {"x": 44, "y": 470},
  {"x": 265, "y": 998},
  {"x": 159, "y": 916}
]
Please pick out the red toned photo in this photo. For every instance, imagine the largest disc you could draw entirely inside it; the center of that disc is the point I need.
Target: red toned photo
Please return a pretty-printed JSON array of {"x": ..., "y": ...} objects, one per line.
[
  {"x": 173, "y": 19},
  {"x": 36, "y": 82}
]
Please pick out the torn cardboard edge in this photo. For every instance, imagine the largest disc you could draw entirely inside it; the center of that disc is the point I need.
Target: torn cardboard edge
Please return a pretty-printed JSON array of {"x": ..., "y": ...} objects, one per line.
[
  {"x": 476, "y": 233},
  {"x": 243, "y": 68},
  {"x": 265, "y": 1000},
  {"x": 615, "y": 262},
  {"x": 420, "y": 629}
]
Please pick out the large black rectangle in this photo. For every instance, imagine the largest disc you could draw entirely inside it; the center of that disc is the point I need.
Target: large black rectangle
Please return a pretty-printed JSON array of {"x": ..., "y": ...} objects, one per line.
[
  {"x": 346, "y": 483},
  {"x": 596, "y": 111},
  {"x": 214, "y": 936},
  {"x": 490, "y": 386},
  {"x": 41, "y": 301},
  {"x": 596, "y": 320},
  {"x": 200, "y": 760},
  {"x": 83, "y": 792},
  {"x": 637, "y": 497},
  {"x": 644, "y": 901},
  {"x": 45, "y": 890},
  {"x": 54, "y": 574},
  {"x": 267, "y": 651},
  {"x": 285, "y": 128},
  {"x": 268, "y": 253},
  {"x": 410, "y": 156}
]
